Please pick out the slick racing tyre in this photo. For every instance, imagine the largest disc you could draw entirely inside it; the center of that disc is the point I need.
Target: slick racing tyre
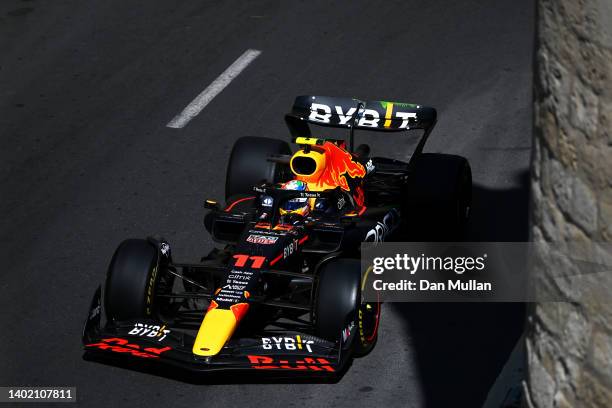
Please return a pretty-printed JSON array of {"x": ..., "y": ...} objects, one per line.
[
  {"x": 131, "y": 281},
  {"x": 249, "y": 165},
  {"x": 339, "y": 312},
  {"x": 438, "y": 197},
  {"x": 368, "y": 318}
]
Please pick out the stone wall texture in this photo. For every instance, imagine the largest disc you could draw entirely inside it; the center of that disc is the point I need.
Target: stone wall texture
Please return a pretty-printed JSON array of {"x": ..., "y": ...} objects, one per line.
[{"x": 569, "y": 344}]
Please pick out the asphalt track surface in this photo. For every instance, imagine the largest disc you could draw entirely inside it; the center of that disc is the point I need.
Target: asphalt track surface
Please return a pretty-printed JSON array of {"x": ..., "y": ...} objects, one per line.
[{"x": 86, "y": 91}]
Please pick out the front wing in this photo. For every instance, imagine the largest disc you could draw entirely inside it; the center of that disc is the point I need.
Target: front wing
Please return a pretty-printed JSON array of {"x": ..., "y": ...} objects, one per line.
[{"x": 278, "y": 354}]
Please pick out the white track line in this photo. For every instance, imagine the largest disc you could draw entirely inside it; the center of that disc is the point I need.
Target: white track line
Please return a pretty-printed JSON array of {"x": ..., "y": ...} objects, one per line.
[{"x": 195, "y": 107}]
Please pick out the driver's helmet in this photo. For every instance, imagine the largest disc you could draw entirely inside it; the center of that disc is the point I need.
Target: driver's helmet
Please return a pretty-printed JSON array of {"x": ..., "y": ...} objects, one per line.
[{"x": 297, "y": 206}]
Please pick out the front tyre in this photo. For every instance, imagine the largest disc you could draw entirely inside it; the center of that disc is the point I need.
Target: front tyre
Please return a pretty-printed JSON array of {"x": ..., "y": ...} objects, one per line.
[
  {"x": 339, "y": 311},
  {"x": 368, "y": 319},
  {"x": 131, "y": 281}
]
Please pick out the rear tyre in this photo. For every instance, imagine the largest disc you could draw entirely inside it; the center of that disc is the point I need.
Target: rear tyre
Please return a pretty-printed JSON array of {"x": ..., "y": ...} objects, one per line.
[
  {"x": 131, "y": 281},
  {"x": 249, "y": 165},
  {"x": 438, "y": 198},
  {"x": 339, "y": 312}
]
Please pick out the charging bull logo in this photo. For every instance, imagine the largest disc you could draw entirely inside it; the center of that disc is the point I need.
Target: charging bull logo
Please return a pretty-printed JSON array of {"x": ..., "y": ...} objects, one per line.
[{"x": 326, "y": 167}]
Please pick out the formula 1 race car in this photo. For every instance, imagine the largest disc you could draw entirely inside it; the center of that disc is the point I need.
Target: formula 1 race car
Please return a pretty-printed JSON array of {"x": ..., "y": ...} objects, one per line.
[{"x": 282, "y": 293}]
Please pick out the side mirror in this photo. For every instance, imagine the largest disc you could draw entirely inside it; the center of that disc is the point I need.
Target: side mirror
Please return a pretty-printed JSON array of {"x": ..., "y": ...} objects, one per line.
[{"x": 211, "y": 205}]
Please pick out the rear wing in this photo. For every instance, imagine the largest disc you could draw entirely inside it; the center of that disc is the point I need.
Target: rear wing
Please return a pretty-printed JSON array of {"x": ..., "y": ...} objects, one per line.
[{"x": 353, "y": 114}]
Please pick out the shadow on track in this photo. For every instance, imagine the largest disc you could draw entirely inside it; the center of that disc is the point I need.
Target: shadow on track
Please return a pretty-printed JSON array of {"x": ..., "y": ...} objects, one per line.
[{"x": 461, "y": 348}]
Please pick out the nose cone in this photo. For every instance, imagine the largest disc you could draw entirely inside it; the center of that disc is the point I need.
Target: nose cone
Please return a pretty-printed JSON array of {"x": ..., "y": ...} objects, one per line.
[{"x": 216, "y": 329}]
